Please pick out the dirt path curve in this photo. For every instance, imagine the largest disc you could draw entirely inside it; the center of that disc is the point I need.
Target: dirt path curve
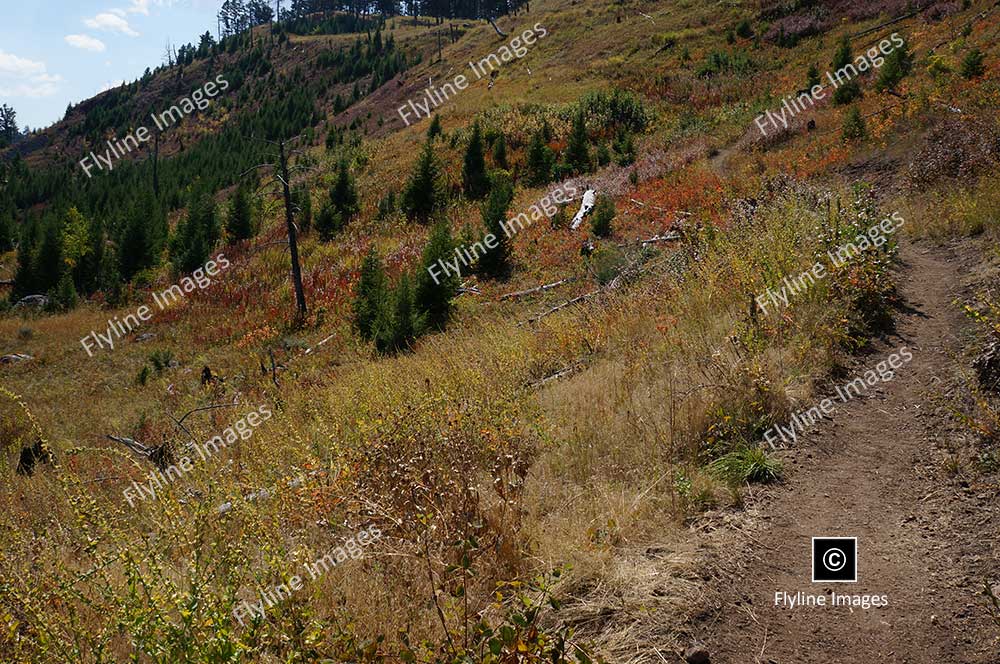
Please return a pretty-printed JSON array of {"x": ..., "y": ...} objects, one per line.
[{"x": 875, "y": 472}]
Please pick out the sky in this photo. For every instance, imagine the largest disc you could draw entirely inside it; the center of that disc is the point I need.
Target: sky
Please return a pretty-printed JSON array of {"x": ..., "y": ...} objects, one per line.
[{"x": 53, "y": 52}]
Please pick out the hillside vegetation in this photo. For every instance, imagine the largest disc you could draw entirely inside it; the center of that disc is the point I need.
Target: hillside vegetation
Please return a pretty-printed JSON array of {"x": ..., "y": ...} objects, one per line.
[{"x": 539, "y": 465}]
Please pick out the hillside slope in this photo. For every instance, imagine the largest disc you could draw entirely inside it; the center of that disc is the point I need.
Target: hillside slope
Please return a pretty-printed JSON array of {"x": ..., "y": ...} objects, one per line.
[{"x": 566, "y": 451}]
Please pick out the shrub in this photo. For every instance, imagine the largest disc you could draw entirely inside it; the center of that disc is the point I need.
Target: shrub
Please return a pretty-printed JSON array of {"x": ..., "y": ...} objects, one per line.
[
  {"x": 744, "y": 465},
  {"x": 719, "y": 62},
  {"x": 743, "y": 29}
]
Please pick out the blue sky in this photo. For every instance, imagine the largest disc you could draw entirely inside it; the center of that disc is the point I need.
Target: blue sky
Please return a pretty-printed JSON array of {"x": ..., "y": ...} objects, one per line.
[{"x": 53, "y": 52}]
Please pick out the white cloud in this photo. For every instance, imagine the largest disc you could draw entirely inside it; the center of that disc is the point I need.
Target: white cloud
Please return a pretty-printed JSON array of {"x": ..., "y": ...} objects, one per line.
[
  {"x": 111, "y": 23},
  {"x": 21, "y": 77},
  {"x": 11, "y": 64},
  {"x": 86, "y": 42}
]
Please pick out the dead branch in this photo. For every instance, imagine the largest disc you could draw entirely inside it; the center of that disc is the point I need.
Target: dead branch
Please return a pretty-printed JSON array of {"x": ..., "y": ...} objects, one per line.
[
  {"x": 567, "y": 303},
  {"x": 537, "y": 289},
  {"x": 133, "y": 445},
  {"x": 562, "y": 373}
]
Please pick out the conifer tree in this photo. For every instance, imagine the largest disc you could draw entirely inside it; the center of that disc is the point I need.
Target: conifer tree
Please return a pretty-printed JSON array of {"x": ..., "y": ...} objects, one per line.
[
  {"x": 422, "y": 196},
  {"x": 500, "y": 153},
  {"x": 6, "y": 230},
  {"x": 434, "y": 130},
  {"x": 854, "y": 125},
  {"x": 196, "y": 236},
  {"x": 64, "y": 297},
  {"x": 49, "y": 264},
  {"x": 540, "y": 160},
  {"x": 843, "y": 56},
  {"x": 812, "y": 77},
  {"x": 404, "y": 326},
  {"x": 25, "y": 282},
  {"x": 604, "y": 214},
  {"x": 329, "y": 222},
  {"x": 344, "y": 193},
  {"x": 496, "y": 263},
  {"x": 577, "y": 149},
  {"x": 239, "y": 224},
  {"x": 475, "y": 182},
  {"x": 434, "y": 298},
  {"x": 897, "y": 65},
  {"x": 371, "y": 296}
]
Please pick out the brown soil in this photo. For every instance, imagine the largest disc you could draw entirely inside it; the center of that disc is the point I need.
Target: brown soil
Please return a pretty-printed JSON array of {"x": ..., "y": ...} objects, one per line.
[{"x": 876, "y": 471}]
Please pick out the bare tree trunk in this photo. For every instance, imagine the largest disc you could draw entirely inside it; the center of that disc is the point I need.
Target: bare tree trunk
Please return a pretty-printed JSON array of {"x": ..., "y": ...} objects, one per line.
[{"x": 293, "y": 247}]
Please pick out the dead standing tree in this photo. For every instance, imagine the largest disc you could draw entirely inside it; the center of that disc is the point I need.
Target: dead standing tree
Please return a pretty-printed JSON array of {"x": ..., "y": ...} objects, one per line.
[{"x": 281, "y": 173}]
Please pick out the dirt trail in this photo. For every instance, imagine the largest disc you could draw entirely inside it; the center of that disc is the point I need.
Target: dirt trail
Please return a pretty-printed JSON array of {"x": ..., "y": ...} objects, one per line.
[{"x": 873, "y": 471}]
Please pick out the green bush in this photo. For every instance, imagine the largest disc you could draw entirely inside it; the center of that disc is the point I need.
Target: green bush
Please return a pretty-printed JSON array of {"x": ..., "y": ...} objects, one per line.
[{"x": 745, "y": 465}]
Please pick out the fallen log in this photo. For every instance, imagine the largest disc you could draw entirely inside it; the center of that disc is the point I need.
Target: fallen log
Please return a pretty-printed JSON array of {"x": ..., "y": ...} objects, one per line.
[
  {"x": 537, "y": 289},
  {"x": 558, "y": 307},
  {"x": 503, "y": 35}
]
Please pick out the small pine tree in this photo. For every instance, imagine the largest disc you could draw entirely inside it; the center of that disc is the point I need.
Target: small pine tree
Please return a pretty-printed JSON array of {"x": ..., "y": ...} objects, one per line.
[
  {"x": 404, "y": 325},
  {"x": 196, "y": 236},
  {"x": 25, "y": 279},
  {"x": 239, "y": 223},
  {"x": 475, "y": 182},
  {"x": 434, "y": 130},
  {"x": 972, "y": 64},
  {"x": 854, "y": 125},
  {"x": 897, "y": 65},
  {"x": 578, "y": 149},
  {"x": 344, "y": 193},
  {"x": 541, "y": 160},
  {"x": 65, "y": 297},
  {"x": 847, "y": 92},
  {"x": 371, "y": 296},
  {"x": 625, "y": 147},
  {"x": 744, "y": 30},
  {"x": 329, "y": 222},
  {"x": 497, "y": 262},
  {"x": 603, "y": 154},
  {"x": 6, "y": 231},
  {"x": 434, "y": 297},
  {"x": 604, "y": 214},
  {"x": 812, "y": 77},
  {"x": 423, "y": 195},
  {"x": 500, "y": 153},
  {"x": 843, "y": 55}
]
